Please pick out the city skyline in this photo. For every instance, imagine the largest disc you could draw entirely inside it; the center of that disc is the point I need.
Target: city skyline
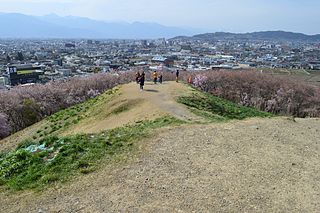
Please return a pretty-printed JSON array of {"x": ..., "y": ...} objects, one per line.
[{"x": 211, "y": 16}]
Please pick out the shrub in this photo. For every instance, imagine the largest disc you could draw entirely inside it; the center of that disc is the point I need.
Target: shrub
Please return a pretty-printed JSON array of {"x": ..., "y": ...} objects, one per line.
[
  {"x": 5, "y": 129},
  {"x": 24, "y": 106},
  {"x": 275, "y": 94}
]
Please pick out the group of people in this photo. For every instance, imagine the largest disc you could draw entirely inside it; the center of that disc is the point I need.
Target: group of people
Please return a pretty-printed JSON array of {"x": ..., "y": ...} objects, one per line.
[{"x": 157, "y": 77}]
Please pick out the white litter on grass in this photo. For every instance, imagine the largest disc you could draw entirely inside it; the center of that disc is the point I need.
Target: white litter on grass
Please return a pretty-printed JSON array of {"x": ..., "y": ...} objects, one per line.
[{"x": 36, "y": 148}]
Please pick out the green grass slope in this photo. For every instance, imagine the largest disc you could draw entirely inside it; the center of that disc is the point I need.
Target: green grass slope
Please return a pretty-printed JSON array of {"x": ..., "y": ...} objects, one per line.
[
  {"x": 47, "y": 156},
  {"x": 216, "y": 109}
]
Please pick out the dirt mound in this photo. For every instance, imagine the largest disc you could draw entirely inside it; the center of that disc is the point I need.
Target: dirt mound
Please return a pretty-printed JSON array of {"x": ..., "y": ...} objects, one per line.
[
  {"x": 257, "y": 165},
  {"x": 254, "y": 165},
  {"x": 128, "y": 106},
  {"x": 132, "y": 105}
]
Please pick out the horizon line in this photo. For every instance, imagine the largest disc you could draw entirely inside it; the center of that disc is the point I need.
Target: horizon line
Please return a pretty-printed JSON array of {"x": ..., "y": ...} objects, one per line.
[{"x": 204, "y": 31}]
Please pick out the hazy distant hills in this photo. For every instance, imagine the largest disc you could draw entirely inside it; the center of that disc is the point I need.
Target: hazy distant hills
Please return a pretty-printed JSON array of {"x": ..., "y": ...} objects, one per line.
[
  {"x": 14, "y": 25},
  {"x": 266, "y": 35}
]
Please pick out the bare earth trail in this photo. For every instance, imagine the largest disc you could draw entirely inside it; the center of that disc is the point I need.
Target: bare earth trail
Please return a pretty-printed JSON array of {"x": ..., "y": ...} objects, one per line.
[
  {"x": 133, "y": 105},
  {"x": 255, "y": 165},
  {"x": 154, "y": 102}
]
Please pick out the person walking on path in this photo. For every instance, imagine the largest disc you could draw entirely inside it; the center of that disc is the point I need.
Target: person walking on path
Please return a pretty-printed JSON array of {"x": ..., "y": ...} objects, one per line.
[
  {"x": 177, "y": 76},
  {"x": 160, "y": 78},
  {"x": 141, "y": 80},
  {"x": 155, "y": 77},
  {"x": 137, "y": 77}
]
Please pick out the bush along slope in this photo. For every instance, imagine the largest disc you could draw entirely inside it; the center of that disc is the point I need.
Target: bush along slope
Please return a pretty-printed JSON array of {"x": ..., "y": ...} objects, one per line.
[
  {"x": 274, "y": 94},
  {"x": 61, "y": 120},
  {"x": 24, "y": 106},
  {"x": 214, "y": 108},
  {"x": 36, "y": 164}
]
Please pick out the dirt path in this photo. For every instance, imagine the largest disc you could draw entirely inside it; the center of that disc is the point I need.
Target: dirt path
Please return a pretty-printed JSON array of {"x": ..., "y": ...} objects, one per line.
[
  {"x": 129, "y": 106},
  {"x": 154, "y": 102},
  {"x": 257, "y": 165}
]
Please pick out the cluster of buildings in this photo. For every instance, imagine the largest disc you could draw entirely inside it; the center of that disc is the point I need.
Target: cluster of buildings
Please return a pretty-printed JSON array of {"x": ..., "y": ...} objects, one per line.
[{"x": 32, "y": 61}]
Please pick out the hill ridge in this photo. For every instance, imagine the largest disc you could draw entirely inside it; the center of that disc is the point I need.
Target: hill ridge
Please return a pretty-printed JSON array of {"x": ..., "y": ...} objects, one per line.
[
  {"x": 71, "y": 27},
  {"x": 262, "y": 35}
]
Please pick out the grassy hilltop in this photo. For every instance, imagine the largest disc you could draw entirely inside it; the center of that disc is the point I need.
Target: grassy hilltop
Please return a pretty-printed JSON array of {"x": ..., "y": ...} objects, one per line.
[
  {"x": 51, "y": 154},
  {"x": 168, "y": 147}
]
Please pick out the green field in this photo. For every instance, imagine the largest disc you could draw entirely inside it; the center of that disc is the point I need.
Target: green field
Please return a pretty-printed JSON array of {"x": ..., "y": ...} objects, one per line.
[
  {"x": 309, "y": 76},
  {"x": 24, "y": 72}
]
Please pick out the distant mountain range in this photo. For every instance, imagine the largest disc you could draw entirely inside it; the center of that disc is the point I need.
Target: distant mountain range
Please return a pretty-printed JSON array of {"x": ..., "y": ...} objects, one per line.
[
  {"x": 266, "y": 35},
  {"x": 15, "y": 25}
]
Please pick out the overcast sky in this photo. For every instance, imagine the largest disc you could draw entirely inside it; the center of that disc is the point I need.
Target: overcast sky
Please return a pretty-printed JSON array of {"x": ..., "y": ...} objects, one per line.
[{"x": 213, "y": 15}]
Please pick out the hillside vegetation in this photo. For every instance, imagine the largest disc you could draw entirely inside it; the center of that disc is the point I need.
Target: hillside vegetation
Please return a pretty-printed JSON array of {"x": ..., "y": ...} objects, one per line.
[
  {"x": 278, "y": 94},
  {"x": 22, "y": 107},
  {"x": 51, "y": 154},
  {"x": 168, "y": 148},
  {"x": 281, "y": 95},
  {"x": 217, "y": 109}
]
